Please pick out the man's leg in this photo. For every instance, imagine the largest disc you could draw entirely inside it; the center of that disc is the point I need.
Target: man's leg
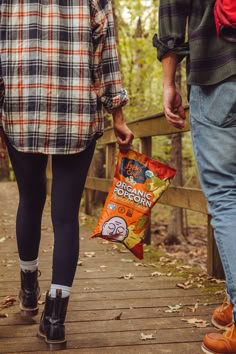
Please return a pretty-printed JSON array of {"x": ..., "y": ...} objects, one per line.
[{"x": 213, "y": 124}]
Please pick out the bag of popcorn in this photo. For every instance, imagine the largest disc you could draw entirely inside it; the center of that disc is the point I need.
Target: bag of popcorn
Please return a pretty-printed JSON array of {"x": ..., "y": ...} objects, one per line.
[{"x": 138, "y": 183}]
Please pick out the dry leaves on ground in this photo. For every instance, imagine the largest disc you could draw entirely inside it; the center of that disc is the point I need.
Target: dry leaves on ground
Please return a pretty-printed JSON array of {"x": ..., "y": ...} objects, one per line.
[
  {"x": 196, "y": 322},
  {"x": 7, "y": 302},
  {"x": 127, "y": 276},
  {"x": 146, "y": 336},
  {"x": 175, "y": 308}
]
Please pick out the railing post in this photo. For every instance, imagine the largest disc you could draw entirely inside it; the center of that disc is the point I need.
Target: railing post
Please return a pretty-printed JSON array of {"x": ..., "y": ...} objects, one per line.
[
  {"x": 110, "y": 160},
  {"x": 49, "y": 175},
  {"x": 88, "y": 194},
  {"x": 146, "y": 149},
  {"x": 214, "y": 265}
]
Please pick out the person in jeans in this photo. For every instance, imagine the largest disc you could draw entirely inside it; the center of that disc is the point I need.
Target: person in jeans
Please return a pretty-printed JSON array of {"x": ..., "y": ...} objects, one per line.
[
  {"x": 211, "y": 78},
  {"x": 60, "y": 70}
]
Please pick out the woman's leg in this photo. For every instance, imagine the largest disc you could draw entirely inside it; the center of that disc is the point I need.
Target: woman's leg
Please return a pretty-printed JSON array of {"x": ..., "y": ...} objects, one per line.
[
  {"x": 30, "y": 172},
  {"x": 69, "y": 176}
]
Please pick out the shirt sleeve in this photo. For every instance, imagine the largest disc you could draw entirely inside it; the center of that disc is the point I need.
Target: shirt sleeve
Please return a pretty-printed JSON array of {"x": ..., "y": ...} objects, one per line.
[
  {"x": 106, "y": 69},
  {"x": 173, "y": 16}
]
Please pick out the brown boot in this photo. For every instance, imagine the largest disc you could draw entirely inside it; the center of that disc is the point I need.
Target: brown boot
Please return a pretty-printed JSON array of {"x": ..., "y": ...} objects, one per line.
[
  {"x": 216, "y": 343},
  {"x": 29, "y": 293},
  {"x": 223, "y": 315}
]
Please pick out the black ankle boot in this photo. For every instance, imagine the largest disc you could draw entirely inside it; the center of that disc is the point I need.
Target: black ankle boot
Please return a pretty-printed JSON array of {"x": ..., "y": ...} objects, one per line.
[
  {"x": 29, "y": 293},
  {"x": 51, "y": 326}
]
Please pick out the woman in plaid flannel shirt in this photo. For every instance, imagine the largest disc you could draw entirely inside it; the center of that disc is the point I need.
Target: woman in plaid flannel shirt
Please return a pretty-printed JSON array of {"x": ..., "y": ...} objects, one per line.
[{"x": 60, "y": 69}]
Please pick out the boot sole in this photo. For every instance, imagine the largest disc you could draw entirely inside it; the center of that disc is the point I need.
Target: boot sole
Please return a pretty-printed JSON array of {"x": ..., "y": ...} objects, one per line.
[
  {"x": 28, "y": 312},
  {"x": 208, "y": 351},
  {"x": 216, "y": 325},
  {"x": 53, "y": 345}
]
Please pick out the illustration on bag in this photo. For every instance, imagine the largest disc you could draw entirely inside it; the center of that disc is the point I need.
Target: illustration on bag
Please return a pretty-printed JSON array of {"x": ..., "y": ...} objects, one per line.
[{"x": 138, "y": 183}]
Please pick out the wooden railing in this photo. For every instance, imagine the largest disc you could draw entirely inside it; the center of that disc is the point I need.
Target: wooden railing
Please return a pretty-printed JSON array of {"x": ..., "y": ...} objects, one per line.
[{"x": 187, "y": 198}]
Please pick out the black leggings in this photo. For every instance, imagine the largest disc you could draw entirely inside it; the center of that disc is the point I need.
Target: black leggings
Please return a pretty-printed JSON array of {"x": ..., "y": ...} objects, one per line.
[{"x": 69, "y": 175}]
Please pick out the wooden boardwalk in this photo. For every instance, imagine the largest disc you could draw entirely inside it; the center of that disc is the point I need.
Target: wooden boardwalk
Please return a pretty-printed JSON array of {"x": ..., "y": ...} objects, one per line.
[{"x": 107, "y": 313}]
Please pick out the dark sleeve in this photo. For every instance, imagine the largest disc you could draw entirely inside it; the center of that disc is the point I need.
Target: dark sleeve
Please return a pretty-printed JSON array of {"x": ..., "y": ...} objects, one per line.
[{"x": 173, "y": 17}]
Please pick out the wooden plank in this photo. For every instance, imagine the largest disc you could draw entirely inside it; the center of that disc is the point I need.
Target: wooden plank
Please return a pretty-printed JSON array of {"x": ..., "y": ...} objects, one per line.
[
  {"x": 202, "y": 311},
  {"x": 170, "y": 348},
  {"x": 124, "y": 292},
  {"x": 104, "y": 340},
  {"x": 122, "y": 325},
  {"x": 110, "y": 160}
]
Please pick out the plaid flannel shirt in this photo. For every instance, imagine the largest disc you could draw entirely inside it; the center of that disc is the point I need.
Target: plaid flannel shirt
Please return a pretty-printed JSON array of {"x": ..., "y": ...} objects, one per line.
[
  {"x": 210, "y": 60},
  {"x": 60, "y": 68}
]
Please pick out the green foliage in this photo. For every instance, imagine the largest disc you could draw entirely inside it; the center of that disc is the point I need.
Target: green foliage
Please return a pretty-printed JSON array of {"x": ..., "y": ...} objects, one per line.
[{"x": 137, "y": 22}]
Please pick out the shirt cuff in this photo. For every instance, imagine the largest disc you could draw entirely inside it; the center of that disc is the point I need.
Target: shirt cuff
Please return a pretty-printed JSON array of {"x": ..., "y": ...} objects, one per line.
[
  {"x": 111, "y": 102},
  {"x": 170, "y": 45}
]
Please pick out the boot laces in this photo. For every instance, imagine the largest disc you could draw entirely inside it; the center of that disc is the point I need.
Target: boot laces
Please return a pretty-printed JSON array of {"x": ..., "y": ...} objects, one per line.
[
  {"x": 230, "y": 331},
  {"x": 224, "y": 304}
]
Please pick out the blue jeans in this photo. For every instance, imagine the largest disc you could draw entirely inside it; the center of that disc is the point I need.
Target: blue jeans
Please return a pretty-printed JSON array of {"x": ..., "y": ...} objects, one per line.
[{"x": 213, "y": 126}]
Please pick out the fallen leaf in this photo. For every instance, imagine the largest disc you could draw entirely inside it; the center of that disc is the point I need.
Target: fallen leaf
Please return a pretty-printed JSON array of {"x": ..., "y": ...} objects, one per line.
[
  {"x": 175, "y": 308},
  {"x": 146, "y": 336},
  {"x": 183, "y": 267},
  {"x": 7, "y": 302},
  {"x": 118, "y": 317},
  {"x": 89, "y": 254},
  {"x": 193, "y": 308},
  {"x": 3, "y": 315},
  {"x": 126, "y": 276},
  {"x": 158, "y": 274},
  {"x": 183, "y": 286},
  {"x": 126, "y": 260},
  {"x": 197, "y": 322},
  {"x": 41, "y": 302},
  {"x": 139, "y": 264},
  {"x": 165, "y": 259}
]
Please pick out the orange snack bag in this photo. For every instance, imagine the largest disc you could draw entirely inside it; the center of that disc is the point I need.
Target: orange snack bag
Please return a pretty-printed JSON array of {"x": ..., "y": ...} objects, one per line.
[{"x": 137, "y": 185}]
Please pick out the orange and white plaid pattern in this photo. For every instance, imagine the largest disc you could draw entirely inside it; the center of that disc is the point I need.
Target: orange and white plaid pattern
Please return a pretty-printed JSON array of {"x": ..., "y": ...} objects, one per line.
[{"x": 60, "y": 68}]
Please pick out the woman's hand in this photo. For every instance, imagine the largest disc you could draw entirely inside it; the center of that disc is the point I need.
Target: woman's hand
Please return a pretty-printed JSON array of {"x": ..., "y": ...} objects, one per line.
[
  {"x": 122, "y": 132},
  {"x": 2, "y": 143}
]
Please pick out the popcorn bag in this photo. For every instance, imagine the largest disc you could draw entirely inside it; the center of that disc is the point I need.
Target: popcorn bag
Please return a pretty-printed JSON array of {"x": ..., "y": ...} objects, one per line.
[{"x": 137, "y": 185}]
